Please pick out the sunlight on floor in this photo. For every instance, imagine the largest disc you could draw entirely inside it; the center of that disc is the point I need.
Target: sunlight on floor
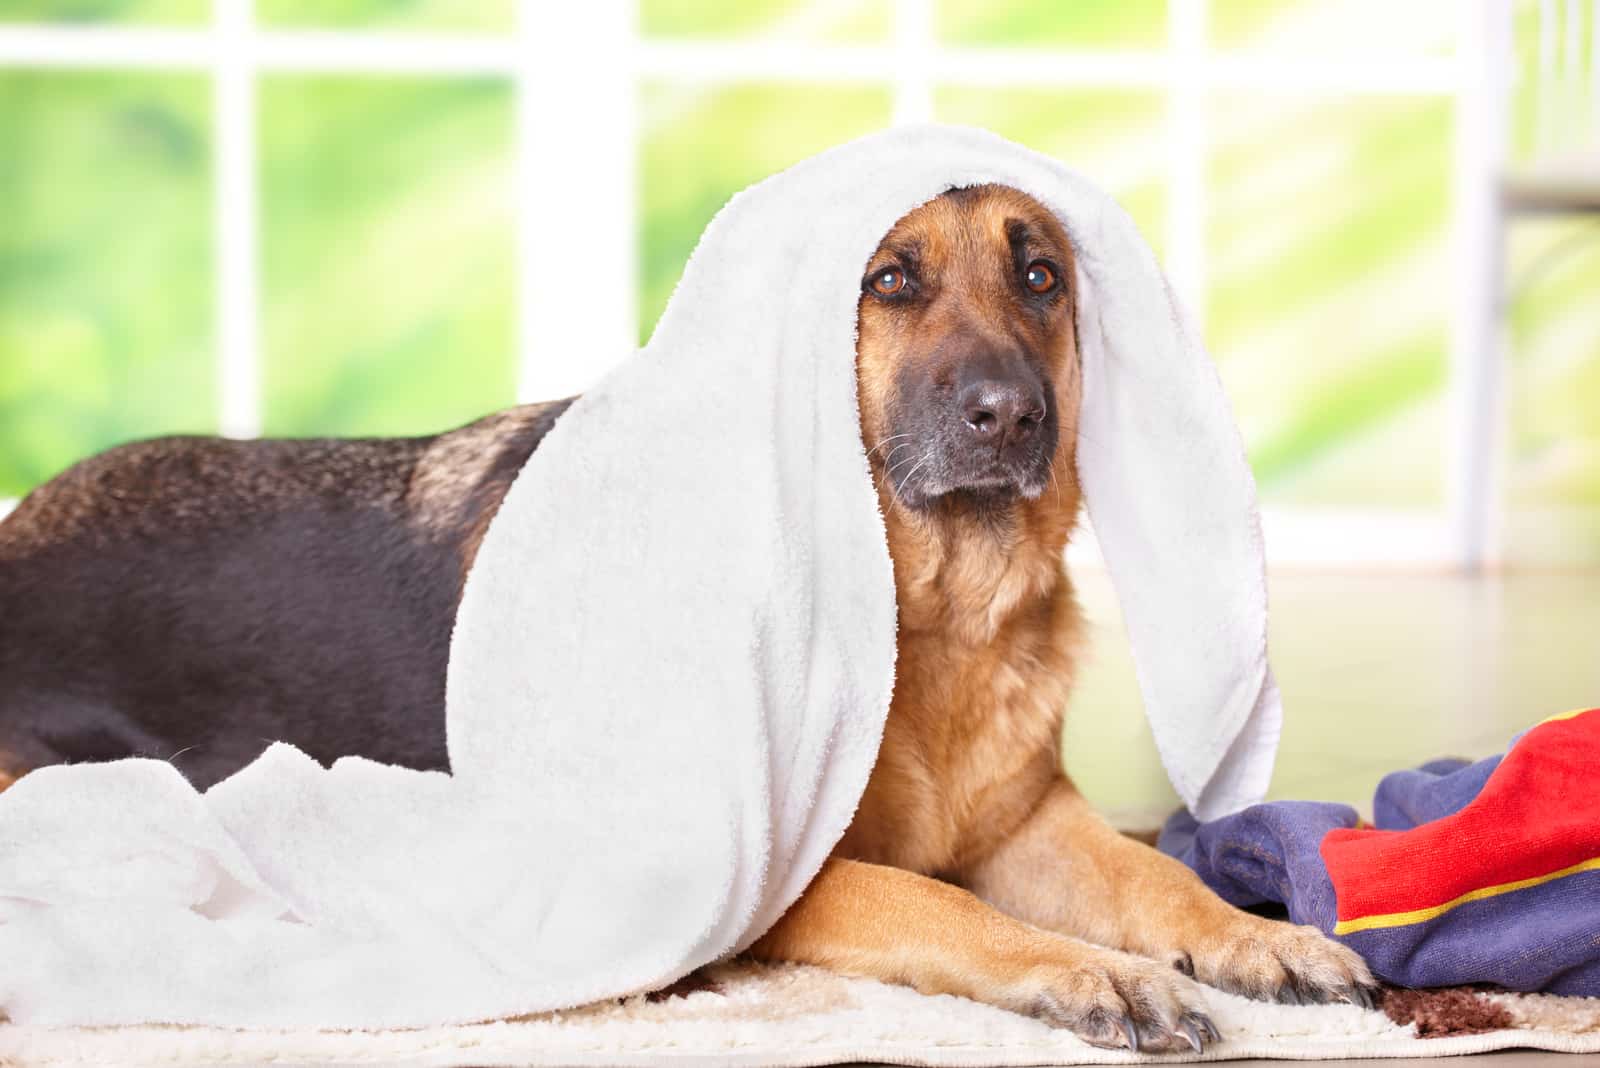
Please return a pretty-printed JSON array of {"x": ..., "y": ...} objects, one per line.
[{"x": 1379, "y": 672}]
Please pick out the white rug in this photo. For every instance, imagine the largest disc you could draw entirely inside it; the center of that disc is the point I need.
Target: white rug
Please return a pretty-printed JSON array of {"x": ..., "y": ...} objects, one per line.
[{"x": 793, "y": 1016}]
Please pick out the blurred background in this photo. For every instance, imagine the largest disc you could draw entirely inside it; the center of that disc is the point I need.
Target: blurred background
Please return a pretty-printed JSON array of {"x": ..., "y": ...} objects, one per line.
[{"x": 349, "y": 217}]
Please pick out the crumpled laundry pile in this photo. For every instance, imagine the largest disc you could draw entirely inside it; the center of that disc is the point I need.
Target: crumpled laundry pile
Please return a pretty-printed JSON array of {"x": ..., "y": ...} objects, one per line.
[{"x": 1484, "y": 872}]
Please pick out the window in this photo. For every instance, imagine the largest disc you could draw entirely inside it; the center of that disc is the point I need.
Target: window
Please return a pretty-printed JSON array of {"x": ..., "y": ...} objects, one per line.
[{"x": 386, "y": 217}]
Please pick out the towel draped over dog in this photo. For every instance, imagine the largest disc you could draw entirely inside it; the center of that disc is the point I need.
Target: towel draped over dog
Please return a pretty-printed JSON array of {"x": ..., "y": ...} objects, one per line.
[{"x": 670, "y": 668}]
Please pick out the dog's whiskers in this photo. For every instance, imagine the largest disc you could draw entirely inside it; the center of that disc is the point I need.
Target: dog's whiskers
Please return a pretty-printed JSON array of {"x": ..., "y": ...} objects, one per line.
[
  {"x": 884, "y": 442},
  {"x": 887, "y": 460},
  {"x": 891, "y": 470},
  {"x": 888, "y": 471},
  {"x": 911, "y": 472}
]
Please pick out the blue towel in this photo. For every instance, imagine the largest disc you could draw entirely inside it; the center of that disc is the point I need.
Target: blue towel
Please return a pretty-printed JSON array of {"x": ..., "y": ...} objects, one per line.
[{"x": 1469, "y": 877}]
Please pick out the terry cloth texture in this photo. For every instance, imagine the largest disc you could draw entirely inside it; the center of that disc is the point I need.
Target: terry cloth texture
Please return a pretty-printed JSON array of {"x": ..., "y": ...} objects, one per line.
[
  {"x": 1476, "y": 873},
  {"x": 670, "y": 668},
  {"x": 748, "y": 1015}
]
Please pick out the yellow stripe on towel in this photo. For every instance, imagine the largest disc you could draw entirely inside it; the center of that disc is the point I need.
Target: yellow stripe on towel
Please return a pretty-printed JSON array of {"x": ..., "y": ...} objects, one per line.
[
  {"x": 1564, "y": 715},
  {"x": 1401, "y": 919}
]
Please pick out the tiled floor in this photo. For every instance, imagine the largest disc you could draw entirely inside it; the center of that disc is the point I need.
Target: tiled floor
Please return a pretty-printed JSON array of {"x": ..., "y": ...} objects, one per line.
[{"x": 1379, "y": 671}]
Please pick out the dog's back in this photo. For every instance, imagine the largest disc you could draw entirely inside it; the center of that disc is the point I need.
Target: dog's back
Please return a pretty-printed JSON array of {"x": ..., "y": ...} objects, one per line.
[{"x": 193, "y": 599}]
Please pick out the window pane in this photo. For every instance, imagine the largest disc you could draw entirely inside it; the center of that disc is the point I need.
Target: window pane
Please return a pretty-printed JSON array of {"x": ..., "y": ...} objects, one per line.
[
  {"x": 388, "y": 253},
  {"x": 700, "y": 146},
  {"x": 1053, "y": 23},
  {"x": 1320, "y": 28},
  {"x": 1523, "y": 99},
  {"x": 1329, "y": 289},
  {"x": 1553, "y": 488},
  {"x": 1554, "y": 110},
  {"x": 143, "y": 11},
  {"x": 105, "y": 266},
  {"x": 781, "y": 20},
  {"x": 449, "y": 15},
  {"x": 1117, "y": 139}
]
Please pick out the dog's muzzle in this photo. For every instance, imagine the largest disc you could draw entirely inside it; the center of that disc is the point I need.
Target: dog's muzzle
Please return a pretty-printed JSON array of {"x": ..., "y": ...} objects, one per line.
[{"x": 990, "y": 432}]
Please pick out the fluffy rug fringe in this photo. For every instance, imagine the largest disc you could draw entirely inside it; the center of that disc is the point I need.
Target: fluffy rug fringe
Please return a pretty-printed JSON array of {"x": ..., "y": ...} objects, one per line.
[{"x": 747, "y": 1014}]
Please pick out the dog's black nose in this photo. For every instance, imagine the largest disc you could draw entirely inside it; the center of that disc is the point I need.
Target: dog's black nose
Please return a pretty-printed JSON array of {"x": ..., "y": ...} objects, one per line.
[{"x": 1001, "y": 411}]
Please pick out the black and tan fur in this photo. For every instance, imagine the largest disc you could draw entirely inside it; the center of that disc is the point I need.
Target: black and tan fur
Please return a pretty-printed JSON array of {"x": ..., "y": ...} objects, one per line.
[{"x": 192, "y": 599}]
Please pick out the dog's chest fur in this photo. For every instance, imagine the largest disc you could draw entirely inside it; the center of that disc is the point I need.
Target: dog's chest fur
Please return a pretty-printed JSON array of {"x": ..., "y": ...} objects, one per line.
[{"x": 989, "y": 629}]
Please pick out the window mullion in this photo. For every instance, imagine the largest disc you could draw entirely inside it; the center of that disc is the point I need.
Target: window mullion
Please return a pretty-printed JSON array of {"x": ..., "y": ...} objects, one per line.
[
  {"x": 576, "y": 243},
  {"x": 237, "y": 211}
]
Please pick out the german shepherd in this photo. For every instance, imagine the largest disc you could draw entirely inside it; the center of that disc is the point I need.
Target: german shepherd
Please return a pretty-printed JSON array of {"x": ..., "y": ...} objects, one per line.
[{"x": 194, "y": 598}]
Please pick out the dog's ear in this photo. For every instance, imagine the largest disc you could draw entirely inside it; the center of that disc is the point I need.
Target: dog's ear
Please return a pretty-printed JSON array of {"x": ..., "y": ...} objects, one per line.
[{"x": 1173, "y": 505}]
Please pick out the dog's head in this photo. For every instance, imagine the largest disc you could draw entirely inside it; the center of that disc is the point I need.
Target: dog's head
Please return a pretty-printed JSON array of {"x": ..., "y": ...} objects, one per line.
[{"x": 966, "y": 359}]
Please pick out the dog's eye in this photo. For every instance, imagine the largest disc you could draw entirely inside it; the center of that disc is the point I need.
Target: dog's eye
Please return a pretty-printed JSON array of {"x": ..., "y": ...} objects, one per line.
[
  {"x": 1039, "y": 277},
  {"x": 888, "y": 282}
]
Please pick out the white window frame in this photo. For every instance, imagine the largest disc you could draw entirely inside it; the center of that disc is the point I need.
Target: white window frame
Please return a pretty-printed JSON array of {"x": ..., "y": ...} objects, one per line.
[{"x": 568, "y": 333}]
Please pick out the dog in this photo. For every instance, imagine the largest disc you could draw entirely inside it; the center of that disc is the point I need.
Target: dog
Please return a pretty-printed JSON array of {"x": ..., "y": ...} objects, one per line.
[{"x": 195, "y": 598}]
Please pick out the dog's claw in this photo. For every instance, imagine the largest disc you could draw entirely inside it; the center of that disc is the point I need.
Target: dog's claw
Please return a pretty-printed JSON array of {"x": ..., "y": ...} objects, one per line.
[
  {"x": 1116, "y": 1001},
  {"x": 1131, "y": 1032},
  {"x": 1202, "y": 1026},
  {"x": 1359, "y": 995},
  {"x": 1313, "y": 995}
]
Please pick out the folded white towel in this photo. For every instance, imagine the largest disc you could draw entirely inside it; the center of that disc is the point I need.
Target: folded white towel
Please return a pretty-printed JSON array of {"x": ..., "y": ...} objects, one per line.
[{"x": 670, "y": 668}]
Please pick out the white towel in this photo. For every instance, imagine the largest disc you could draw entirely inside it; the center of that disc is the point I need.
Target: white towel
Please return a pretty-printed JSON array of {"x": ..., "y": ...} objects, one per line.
[{"x": 670, "y": 669}]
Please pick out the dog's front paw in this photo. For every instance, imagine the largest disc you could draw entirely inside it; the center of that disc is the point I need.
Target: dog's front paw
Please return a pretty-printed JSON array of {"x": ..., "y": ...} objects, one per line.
[
  {"x": 1275, "y": 961},
  {"x": 1120, "y": 1001}
]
